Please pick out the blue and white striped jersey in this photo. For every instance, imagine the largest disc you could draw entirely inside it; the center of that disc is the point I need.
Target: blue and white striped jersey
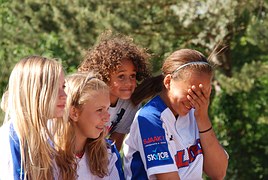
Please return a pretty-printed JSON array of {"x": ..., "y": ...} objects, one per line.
[{"x": 160, "y": 143}]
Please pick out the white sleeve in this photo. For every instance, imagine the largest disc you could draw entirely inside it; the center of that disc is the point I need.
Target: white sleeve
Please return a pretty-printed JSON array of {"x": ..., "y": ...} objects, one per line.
[
  {"x": 6, "y": 165},
  {"x": 130, "y": 111},
  {"x": 115, "y": 165}
]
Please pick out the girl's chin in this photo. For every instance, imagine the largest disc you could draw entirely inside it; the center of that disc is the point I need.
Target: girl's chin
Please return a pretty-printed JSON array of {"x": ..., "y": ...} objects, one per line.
[
  {"x": 185, "y": 112},
  {"x": 125, "y": 97},
  {"x": 95, "y": 137}
]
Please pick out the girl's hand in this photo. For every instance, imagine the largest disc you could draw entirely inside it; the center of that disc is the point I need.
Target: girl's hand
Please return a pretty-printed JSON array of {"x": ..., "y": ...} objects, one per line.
[{"x": 199, "y": 99}]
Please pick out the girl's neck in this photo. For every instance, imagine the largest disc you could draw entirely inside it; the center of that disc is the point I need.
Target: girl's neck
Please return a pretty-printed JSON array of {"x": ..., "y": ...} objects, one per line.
[
  {"x": 80, "y": 146},
  {"x": 113, "y": 100},
  {"x": 80, "y": 154},
  {"x": 164, "y": 96}
]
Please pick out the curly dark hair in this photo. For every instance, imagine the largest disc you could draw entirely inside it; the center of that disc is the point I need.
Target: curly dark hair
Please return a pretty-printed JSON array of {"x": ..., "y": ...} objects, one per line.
[{"x": 106, "y": 56}]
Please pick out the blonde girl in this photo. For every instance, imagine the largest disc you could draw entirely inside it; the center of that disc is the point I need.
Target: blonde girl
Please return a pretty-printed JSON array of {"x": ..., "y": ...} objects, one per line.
[
  {"x": 35, "y": 96},
  {"x": 85, "y": 153}
]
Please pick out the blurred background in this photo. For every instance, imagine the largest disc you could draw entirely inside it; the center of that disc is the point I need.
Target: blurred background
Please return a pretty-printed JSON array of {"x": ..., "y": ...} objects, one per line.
[{"x": 236, "y": 29}]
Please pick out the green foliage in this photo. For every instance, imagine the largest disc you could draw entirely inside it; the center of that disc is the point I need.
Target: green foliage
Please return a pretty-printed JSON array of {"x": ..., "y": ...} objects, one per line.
[
  {"x": 243, "y": 118},
  {"x": 64, "y": 29},
  {"x": 245, "y": 79}
]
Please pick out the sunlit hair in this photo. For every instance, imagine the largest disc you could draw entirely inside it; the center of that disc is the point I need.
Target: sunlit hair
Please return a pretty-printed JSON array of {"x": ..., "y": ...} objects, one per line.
[
  {"x": 107, "y": 55},
  {"x": 180, "y": 64},
  {"x": 79, "y": 88},
  {"x": 182, "y": 57},
  {"x": 32, "y": 96},
  {"x": 4, "y": 101}
]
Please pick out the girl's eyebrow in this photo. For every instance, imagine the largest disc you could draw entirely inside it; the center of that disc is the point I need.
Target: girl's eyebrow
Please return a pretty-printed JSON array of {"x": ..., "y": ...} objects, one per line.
[{"x": 122, "y": 70}]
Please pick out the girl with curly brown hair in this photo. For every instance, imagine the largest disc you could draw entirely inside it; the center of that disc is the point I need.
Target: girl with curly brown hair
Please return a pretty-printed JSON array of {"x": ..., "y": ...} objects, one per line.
[{"x": 121, "y": 64}]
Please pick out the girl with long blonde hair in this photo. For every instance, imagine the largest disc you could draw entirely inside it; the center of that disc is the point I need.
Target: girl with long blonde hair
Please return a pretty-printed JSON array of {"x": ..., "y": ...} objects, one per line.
[
  {"x": 85, "y": 153},
  {"x": 35, "y": 96}
]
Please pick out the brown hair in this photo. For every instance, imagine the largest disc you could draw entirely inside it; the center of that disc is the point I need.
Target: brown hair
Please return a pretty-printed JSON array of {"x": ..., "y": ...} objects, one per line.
[
  {"x": 153, "y": 85},
  {"x": 106, "y": 56}
]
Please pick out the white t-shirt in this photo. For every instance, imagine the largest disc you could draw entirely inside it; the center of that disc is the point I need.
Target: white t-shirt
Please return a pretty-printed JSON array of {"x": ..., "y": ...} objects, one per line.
[
  {"x": 122, "y": 116},
  {"x": 115, "y": 171},
  {"x": 10, "y": 157},
  {"x": 160, "y": 143},
  {"x": 6, "y": 161}
]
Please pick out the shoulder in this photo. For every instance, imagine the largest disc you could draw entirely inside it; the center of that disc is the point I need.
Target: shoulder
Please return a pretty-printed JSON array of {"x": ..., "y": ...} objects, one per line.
[
  {"x": 152, "y": 111},
  {"x": 154, "y": 106},
  {"x": 5, "y": 132},
  {"x": 4, "y": 136},
  {"x": 114, "y": 161},
  {"x": 4, "y": 127},
  {"x": 6, "y": 164},
  {"x": 126, "y": 103},
  {"x": 111, "y": 147}
]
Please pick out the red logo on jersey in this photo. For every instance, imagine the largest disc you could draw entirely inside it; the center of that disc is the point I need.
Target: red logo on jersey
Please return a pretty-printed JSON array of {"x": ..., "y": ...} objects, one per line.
[
  {"x": 193, "y": 151},
  {"x": 153, "y": 139}
]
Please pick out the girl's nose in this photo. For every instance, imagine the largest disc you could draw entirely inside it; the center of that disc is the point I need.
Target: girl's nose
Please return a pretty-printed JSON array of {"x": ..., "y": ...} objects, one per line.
[
  {"x": 62, "y": 94},
  {"x": 106, "y": 117},
  {"x": 129, "y": 81}
]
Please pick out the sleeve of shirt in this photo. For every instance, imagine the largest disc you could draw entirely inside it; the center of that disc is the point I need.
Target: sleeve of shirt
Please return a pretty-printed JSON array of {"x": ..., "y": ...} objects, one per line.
[
  {"x": 124, "y": 125},
  {"x": 6, "y": 160},
  {"x": 155, "y": 147},
  {"x": 115, "y": 163}
]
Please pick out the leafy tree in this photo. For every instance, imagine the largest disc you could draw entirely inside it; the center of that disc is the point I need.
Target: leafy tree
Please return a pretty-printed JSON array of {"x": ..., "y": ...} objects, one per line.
[{"x": 64, "y": 29}]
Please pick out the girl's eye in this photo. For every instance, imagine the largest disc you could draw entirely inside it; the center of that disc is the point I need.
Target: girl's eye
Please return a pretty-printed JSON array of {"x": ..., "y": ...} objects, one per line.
[
  {"x": 133, "y": 76},
  {"x": 99, "y": 110},
  {"x": 121, "y": 77}
]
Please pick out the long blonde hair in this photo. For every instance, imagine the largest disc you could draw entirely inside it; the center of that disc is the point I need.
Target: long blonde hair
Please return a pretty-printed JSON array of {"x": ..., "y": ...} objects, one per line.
[
  {"x": 78, "y": 88},
  {"x": 32, "y": 95}
]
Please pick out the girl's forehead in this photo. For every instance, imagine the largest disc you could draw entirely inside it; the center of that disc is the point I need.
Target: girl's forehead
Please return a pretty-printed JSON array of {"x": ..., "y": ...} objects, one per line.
[
  {"x": 126, "y": 65},
  {"x": 198, "y": 78}
]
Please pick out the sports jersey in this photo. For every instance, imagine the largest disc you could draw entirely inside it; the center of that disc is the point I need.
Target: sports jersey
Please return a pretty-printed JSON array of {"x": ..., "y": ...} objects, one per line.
[
  {"x": 10, "y": 158},
  {"x": 121, "y": 116},
  {"x": 115, "y": 171},
  {"x": 159, "y": 142}
]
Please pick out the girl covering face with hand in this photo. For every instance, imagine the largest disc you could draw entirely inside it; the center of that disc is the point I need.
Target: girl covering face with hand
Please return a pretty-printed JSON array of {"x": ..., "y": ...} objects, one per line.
[
  {"x": 34, "y": 97},
  {"x": 172, "y": 136},
  {"x": 83, "y": 144}
]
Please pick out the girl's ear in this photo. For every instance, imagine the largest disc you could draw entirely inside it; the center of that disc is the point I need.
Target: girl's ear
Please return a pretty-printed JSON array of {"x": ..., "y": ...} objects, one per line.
[
  {"x": 167, "y": 81},
  {"x": 74, "y": 114}
]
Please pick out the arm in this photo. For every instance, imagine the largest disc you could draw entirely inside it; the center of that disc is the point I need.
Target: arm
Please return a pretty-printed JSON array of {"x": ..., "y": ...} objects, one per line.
[
  {"x": 215, "y": 158},
  {"x": 118, "y": 138},
  {"x": 168, "y": 176}
]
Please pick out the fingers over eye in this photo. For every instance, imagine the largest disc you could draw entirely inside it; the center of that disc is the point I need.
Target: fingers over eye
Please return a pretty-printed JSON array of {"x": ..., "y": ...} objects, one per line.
[
  {"x": 195, "y": 92},
  {"x": 205, "y": 92},
  {"x": 191, "y": 101},
  {"x": 192, "y": 94}
]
